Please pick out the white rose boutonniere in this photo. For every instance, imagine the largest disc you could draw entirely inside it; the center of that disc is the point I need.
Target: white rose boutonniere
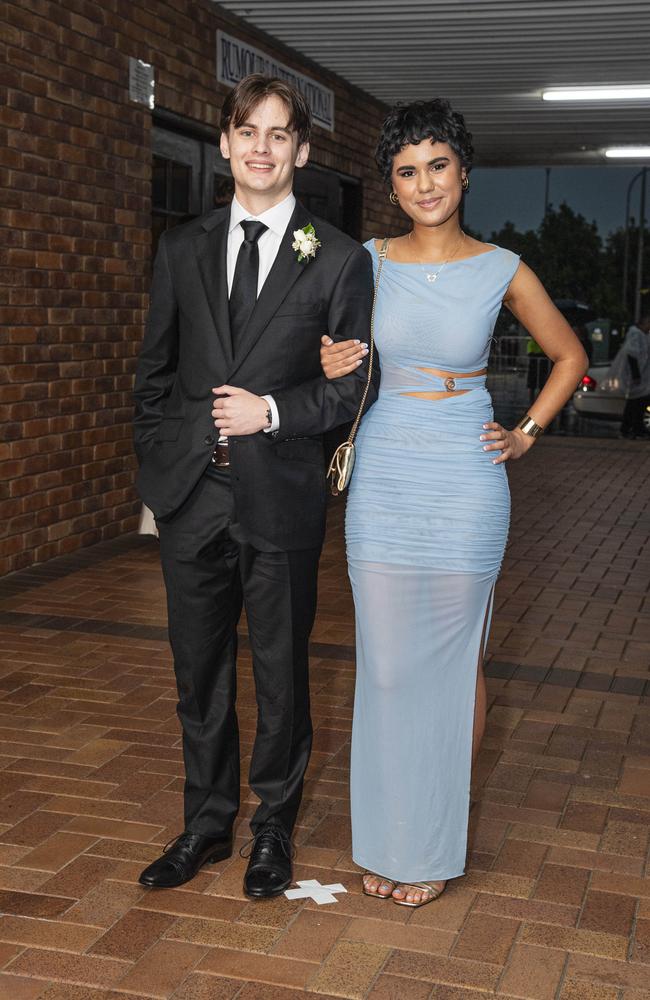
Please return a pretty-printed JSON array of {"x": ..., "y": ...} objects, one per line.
[{"x": 305, "y": 243}]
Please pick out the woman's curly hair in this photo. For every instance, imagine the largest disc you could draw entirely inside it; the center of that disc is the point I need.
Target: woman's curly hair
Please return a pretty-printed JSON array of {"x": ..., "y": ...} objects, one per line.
[{"x": 409, "y": 124}]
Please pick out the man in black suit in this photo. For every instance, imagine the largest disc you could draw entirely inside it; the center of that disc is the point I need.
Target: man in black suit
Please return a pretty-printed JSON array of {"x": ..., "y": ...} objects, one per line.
[{"x": 231, "y": 405}]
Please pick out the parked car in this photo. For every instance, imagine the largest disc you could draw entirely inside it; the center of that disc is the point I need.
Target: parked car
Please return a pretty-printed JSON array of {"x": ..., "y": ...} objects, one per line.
[{"x": 591, "y": 400}]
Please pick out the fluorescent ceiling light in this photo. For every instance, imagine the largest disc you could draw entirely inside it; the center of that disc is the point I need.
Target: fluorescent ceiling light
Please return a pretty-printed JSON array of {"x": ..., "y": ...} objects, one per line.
[
  {"x": 628, "y": 152},
  {"x": 597, "y": 94}
]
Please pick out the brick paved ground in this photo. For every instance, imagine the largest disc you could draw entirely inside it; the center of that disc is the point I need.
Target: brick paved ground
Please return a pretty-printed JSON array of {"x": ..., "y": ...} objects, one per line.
[{"x": 557, "y": 899}]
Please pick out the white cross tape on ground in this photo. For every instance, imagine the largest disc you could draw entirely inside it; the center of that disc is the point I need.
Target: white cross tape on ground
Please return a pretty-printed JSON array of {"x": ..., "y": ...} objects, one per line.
[{"x": 312, "y": 889}]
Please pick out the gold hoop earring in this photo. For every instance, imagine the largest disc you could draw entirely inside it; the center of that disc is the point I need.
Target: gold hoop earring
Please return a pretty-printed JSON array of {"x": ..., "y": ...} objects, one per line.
[
  {"x": 393, "y": 199},
  {"x": 465, "y": 184}
]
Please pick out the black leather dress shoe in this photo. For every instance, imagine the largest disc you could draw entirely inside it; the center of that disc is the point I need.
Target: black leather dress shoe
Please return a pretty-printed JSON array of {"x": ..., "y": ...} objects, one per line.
[
  {"x": 269, "y": 870},
  {"x": 181, "y": 860}
]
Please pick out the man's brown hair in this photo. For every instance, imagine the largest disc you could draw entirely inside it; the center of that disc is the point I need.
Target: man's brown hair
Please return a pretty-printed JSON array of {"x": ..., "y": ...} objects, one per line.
[{"x": 255, "y": 88}]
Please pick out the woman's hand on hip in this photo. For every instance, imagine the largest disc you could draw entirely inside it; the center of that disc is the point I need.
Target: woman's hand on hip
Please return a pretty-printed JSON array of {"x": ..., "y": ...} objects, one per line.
[
  {"x": 511, "y": 444},
  {"x": 341, "y": 358}
]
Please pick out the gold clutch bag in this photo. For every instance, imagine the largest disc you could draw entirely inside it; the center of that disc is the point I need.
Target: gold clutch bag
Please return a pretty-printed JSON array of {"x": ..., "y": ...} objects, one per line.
[{"x": 342, "y": 464}]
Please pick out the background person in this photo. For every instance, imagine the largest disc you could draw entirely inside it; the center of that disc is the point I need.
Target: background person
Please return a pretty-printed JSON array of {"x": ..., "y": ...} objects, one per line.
[
  {"x": 636, "y": 374},
  {"x": 539, "y": 367}
]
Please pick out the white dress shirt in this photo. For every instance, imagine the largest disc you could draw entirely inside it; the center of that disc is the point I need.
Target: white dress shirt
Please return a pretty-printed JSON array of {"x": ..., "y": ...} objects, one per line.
[{"x": 277, "y": 219}]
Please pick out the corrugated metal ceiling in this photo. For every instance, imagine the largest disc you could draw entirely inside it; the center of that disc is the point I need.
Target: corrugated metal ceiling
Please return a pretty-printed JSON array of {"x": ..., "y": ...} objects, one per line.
[{"x": 491, "y": 58}]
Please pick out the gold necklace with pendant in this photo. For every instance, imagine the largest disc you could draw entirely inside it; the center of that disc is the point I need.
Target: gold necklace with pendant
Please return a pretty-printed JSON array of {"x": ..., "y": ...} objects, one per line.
[{"x": 432, "y": 276}]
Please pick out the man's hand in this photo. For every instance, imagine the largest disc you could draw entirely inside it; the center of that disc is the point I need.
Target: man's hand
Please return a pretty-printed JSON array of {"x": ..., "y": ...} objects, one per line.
[{"x": 237, "y": 412}]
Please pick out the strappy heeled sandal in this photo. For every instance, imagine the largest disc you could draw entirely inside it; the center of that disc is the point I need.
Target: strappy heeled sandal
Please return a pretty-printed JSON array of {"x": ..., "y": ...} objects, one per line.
[
  {"x": 389, "y": 882},
  {"x": 431, "y": 892}
]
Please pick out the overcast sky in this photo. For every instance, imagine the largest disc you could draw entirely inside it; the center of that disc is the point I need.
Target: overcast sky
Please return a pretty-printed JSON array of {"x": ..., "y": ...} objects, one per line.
[{"x": 516, "y": 194}]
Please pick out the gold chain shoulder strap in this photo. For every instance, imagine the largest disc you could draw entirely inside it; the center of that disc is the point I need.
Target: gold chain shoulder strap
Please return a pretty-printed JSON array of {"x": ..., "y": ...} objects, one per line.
[
  {"x": 383, "y": 253},
  {"x": 340, "y": 469}
]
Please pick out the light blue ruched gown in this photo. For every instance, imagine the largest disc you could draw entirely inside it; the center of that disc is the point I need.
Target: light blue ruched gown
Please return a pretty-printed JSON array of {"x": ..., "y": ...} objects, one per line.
[{"x": 426, "y": 527}]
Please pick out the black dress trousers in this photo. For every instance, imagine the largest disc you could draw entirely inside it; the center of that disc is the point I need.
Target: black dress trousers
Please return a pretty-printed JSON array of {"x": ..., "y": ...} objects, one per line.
[{"x": 210, "y": 572}]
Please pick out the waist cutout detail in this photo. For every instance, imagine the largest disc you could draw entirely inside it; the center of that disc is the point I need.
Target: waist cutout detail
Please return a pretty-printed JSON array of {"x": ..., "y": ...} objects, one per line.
[{"x": 428, "y": 382}]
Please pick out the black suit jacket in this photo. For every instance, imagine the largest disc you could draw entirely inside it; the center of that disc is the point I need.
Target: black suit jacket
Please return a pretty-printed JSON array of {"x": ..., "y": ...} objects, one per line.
[{"x": 278, "y": 480}]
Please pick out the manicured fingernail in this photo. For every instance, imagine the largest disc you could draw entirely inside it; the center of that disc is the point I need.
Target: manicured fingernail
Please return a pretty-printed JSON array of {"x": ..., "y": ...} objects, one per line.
[
  {"x": 365, "y": 352},
  {"x": 482, "y": 437},
  {"x": 485, "y": 427},
  {"x": 357, "y": 363},
  {"x": 494, "y": 461},
  {"x": 357, "y": 341},
  {"x": 485, "y": 447},
  {"x": 363, "y": 345}
]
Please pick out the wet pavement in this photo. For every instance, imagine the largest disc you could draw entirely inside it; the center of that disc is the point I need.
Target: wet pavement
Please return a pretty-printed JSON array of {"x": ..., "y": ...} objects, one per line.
[{"x": 556, "y": 900}]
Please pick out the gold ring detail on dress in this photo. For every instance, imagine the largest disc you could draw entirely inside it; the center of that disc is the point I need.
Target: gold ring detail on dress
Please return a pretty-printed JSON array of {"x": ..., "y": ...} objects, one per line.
[{"x": 450, "y": 384}]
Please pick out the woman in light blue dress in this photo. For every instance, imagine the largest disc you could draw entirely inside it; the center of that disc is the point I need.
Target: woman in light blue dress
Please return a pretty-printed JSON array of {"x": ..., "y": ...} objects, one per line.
[{"x": 428, "y": 507}]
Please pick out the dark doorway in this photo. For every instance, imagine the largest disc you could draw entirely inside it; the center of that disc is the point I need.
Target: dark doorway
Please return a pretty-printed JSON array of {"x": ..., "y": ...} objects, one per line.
[{"x": 190, "y": 177}]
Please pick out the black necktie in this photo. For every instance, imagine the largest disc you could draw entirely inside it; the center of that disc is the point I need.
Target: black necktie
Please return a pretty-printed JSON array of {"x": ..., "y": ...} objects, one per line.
[{"x": 243, "y": 293}]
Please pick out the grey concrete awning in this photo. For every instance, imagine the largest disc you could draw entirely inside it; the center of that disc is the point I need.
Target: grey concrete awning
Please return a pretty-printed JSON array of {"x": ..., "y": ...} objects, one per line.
[{"x": 491, "y": 58}]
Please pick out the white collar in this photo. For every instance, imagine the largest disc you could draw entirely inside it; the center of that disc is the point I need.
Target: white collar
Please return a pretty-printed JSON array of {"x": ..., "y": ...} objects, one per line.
[{"x": 276, "y": 218}]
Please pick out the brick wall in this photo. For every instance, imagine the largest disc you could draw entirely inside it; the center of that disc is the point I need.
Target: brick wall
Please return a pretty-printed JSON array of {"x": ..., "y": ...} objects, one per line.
[{"x": 75, "y": 156}]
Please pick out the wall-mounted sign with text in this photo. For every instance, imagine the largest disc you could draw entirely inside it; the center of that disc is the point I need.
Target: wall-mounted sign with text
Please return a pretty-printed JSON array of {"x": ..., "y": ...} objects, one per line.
[
  {"x": 141, "y": 82},
  {"x": 237, "y": 59}
]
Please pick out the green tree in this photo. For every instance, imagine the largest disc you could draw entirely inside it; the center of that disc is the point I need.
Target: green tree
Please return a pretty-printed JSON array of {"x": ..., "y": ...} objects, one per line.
[
  {"x": 570, "y": 255},
  {"x": 610, "y": 302},
  {"x": 525, "y": 244},
  {"x": 573, "y": 262}
]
